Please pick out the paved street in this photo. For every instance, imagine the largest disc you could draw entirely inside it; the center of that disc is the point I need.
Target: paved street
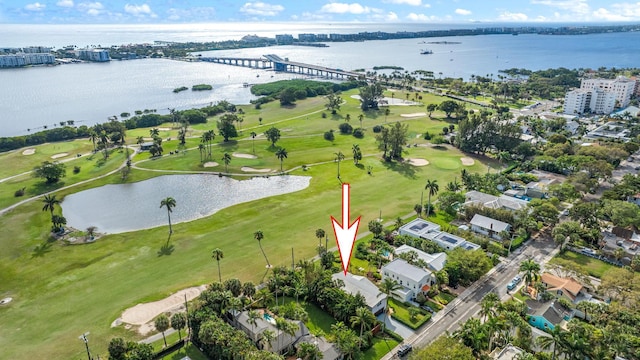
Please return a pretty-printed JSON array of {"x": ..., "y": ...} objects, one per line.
[{"x": 467, "y": 304}]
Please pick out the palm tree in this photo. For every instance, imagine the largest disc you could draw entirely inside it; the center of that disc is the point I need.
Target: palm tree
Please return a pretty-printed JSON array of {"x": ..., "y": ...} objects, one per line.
[
  {"x": 557, "y": 339},
  {"x": 218, "y": 254},
  {"x": 253, "y": 317},
  {"x": 339, "y": 157},
  {"x": 309, "y": 351},
  {"x": 201, "y": 148},
  {"x": 453, "y": 186},
  {"x": 50, "y": 203},
  {"x": 347, "y": 118},
  {"x": 432, "y": 186},
  {"x": 268, "y": 336},
  {"x": 360, "y": 117},
  {"x": 178, "y": 322},
  {"x": 258, "y": 235},
  {"x": 488, "y": 304},
  {"x": 227, "y": 159},
  {"x": 93, "y": 136},
  {"x": 170, "y": 203},
  {"x": 281, "y": 154},
  {"x": 162, "y": 324},
  {"x": 154, "y": 132},
  {"x": 357, "y": 153},
  {"x": 387, "y": 111},
  {"x": 531, "y": 270},
  {"x": 320, "y": 235},
  {"x": 104, "y": 141},
  {"x": 253, "y": 141},
  {"x": 363, "y": 317},
  {"x": 388, "y": 286}
]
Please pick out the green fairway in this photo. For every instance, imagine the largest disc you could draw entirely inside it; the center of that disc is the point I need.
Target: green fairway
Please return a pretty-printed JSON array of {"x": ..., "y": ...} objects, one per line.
[{"x": 70, "y": 289}]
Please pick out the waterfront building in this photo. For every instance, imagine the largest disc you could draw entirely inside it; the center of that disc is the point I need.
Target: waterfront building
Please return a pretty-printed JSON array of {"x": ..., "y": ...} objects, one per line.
[
  {"x": 307, "y": 37},
  {"x": 36, "y": 49},
  {"x": 284, "y": 39},
  {"x": 602, "y": 102},
  {"x": 22, "y": 59},
  {"x": 99, "y": 55},
  {"x": 576, "y": 102},
  {"x": 622, "y": 87}
]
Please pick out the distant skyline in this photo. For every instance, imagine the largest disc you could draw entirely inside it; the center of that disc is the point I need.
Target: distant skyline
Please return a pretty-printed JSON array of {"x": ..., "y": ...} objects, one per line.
[{"x": 391, "y": 11}]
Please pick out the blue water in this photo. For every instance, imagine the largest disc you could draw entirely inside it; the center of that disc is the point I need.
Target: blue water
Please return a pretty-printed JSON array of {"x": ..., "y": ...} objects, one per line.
[{"x": 90, "y": 93}]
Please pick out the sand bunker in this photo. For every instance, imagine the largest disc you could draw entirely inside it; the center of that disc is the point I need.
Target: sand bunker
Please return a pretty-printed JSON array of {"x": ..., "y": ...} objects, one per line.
[
  {"x": 418, "y": 162},
  {"x": 386, "y": 101},
  {"x": 164, "y": 129},
  {"x": 413, "y": 115},
  {"x": 29, "y": 152},
  {"x": 244, "y": 156},
  {"x": 467, "y": 161},
  {"x": 61, "y": 155},
  {"x": 210, "y": 164},
  {"x": 143, "y": 313},
  {"x": 250, "y": 169}
]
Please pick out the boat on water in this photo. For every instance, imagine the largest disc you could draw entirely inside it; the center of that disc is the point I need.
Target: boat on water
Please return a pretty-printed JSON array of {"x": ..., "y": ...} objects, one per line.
[{"x": 426, "y": 52}]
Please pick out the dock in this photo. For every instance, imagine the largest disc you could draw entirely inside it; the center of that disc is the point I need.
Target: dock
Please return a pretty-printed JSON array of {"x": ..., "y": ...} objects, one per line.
[{"x": 276, "y": 63}]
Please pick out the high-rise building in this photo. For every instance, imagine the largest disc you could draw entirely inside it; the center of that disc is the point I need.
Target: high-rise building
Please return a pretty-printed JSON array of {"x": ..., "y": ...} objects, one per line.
[
  {"x": 622, "y": 87},
  {"x": 602, "y": 102},
  {"x": 22, "y": 59},
  {"x": 576, "y": 102}
]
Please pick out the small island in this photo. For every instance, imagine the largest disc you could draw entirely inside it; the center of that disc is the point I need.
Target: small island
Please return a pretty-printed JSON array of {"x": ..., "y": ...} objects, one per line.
[
  {"x": 201, "y": 87},
  {"x": 181, "y": 88},
  {"x": 388, "y": 67}
]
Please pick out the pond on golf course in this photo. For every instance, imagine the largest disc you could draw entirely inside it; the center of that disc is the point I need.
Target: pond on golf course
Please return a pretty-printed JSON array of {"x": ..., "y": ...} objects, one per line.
[{"x": 129, "y": 207}]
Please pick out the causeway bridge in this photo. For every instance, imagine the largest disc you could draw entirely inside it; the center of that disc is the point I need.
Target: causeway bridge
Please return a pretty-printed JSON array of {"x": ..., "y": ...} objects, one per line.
[{"x": 275, "y": 62}]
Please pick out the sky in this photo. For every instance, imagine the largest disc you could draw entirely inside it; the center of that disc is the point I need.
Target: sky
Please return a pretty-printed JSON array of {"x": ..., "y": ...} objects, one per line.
[{"x": 398, "y": 11}]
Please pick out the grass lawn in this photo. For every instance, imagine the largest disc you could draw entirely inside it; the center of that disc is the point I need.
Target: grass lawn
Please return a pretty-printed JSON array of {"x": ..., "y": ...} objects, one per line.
[
  {"x": 444, "y": 298},
  {"x": 587, "y": 265},
  {"x": 171, "y": 339},
  {"x": 402, "y": 312},
  {"x": 190, "y": 350},
  {"x": 319, "y": 321},
  {"x": 86, "y": 287},
  {"x": 381, "y": 346}
]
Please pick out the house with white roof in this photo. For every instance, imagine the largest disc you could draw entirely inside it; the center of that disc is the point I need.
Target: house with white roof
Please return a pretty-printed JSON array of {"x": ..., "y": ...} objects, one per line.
[
  {"x": 254, "y": 331},
  {"x": 488, "y": 226},
  {"x": 355, "y": 284},
  {"x": 412, "y": 279},
  {"x": 503, "y": 202},
  {"x": 422, "y": 229},
  {"x": 435, "y": 262}
]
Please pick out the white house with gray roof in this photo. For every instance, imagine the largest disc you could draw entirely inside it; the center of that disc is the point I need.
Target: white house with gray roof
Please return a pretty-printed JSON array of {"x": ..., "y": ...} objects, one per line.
[
  {"x": 435, "y": 262},
  {"x": 503, "y": 202},
  {"x": 355, "y": 284},
  {"x": 422, "y": 229},
  {"x": 413, "y": 279},
  {"x": 488, "y": 226}
]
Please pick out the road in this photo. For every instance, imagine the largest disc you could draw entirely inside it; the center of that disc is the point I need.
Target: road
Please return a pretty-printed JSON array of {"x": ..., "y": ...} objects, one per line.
[{"x": 468, "y": 303}]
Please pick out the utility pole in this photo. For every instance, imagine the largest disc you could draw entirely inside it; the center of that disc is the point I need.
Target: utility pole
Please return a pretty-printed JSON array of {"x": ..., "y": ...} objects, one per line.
[{"x": 83, "y": 337}]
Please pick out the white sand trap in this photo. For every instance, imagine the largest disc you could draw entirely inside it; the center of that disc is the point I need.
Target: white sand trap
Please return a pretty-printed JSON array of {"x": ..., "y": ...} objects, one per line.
[
  {"x": 467, "y": 161},
  {"x": 391, "y": 101},
  {"x": 244, "y": 156},
  {"x": 29, "y": 152},
  {"x": 210, "y": 164},
  {"x": 61, "y": 155},
  {"x": 418, "y": 162},
  {"x": 143, "y": 313},
  {"x": 164, "y": 129},
  {"x": 413, "y": 115},
  {"x": 250, "y": 169}
]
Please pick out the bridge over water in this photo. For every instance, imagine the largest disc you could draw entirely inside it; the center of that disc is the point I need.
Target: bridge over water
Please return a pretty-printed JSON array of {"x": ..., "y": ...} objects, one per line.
[{"x": 275, "y": 62}]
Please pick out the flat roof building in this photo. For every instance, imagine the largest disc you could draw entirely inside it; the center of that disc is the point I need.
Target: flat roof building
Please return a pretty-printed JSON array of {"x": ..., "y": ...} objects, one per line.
[{"x": 422, "y": 229}]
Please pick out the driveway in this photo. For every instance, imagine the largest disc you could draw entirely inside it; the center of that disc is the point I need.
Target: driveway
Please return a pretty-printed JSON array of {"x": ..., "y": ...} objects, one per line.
[{"x": 397, "y": 327}]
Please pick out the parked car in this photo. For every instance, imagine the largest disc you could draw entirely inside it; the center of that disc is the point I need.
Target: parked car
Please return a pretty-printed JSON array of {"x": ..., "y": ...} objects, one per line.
[
  {"x": 428, "y": 308},
  {"x": 511, "y": 285},
  {"x": 404, "y": 350},
  {"x": 516, "y": 279}
]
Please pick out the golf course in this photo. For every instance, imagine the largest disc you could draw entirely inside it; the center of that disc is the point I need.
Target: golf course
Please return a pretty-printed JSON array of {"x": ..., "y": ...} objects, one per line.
[{"x": 60, "y": 290}]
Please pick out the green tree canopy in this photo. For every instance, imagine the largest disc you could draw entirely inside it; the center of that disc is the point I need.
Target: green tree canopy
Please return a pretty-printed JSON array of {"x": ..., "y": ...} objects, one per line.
[{"x": 52, "y": 172}]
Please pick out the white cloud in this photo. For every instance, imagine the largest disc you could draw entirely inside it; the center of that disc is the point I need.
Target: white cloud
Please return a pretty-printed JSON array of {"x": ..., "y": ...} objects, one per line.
[
  {"x": 427, "y": 5},
  {"x": 35, "y": 7},
  {"x": 90, "y": 5},
  {"x": 138, "y": 10},
  {"x": 261, "y": 9},
  {"x": 388, "y": 17},
  {"x": 408, "y": 2},
  {"x": 65, "y": 3},
  {"x": 421, "y": 17},
  {"x": 93, "y": 12},
  {"x": 391, "y": 16},
  {"x": 509, "y": 16},
  {"x": 342, "y": 8},
  {"x": 464, "y": 12},
  {"x": 619, "y": 12},
  {"x": 191, "y": 14},
  {"x": 580, "y": 7}
]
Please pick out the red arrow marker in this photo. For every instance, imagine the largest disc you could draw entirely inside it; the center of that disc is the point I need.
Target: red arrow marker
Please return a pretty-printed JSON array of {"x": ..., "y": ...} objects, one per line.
[{"x": 345, "y": 233}]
